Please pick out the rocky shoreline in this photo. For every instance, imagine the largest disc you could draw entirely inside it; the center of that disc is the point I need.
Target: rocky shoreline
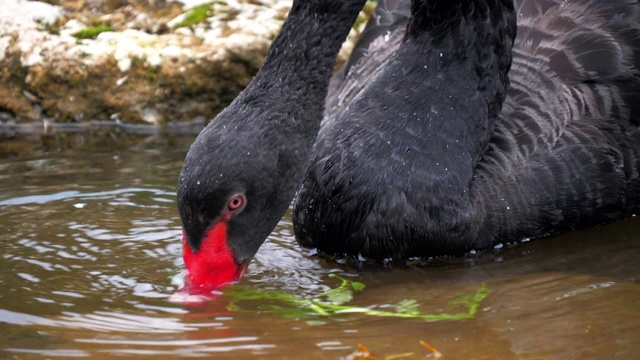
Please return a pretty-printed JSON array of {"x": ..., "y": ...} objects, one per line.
[{"x": 78, "y": 64}]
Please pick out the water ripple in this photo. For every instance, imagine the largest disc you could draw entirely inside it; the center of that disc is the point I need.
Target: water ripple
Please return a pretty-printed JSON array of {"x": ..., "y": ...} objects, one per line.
[
  {"x": 91, "y": 254},
  {"x": 104, "y": 321},
  {"x": 64, "y": 353},
  {"x": 101, "y": 195}
]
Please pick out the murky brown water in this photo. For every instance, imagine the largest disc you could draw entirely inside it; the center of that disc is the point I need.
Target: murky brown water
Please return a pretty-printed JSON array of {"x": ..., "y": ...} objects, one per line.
[{"x": 90, "y": 253}]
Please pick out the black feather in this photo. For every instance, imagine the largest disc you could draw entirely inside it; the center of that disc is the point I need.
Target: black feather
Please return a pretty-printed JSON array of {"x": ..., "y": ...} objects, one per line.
[{"x": 412, "y": 163}]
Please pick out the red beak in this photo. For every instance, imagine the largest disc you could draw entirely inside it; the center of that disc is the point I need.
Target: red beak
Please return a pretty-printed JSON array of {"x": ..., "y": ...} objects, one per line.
[{"x": 213, "y": 265}]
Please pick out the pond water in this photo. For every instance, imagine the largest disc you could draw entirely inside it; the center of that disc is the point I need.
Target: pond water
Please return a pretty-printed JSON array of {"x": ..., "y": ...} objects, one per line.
[{"x": 90, "y": 255}]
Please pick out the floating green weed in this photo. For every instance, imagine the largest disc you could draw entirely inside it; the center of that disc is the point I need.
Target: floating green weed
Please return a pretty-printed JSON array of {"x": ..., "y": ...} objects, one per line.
[{"x": 334, "y": 302}]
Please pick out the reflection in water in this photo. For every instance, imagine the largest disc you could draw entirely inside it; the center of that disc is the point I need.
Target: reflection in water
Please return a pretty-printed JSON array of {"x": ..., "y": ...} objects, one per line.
[{"x": 91, "y": 255}]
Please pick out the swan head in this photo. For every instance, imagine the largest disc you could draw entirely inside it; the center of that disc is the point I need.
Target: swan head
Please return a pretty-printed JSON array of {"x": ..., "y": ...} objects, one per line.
[
  {"x": 210, "y": 238},
  {"x": 237, "y": 181}
]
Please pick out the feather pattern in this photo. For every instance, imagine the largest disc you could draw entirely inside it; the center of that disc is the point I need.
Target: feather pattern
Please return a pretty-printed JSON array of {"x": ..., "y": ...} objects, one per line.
[{"x": 411, "y": 163}]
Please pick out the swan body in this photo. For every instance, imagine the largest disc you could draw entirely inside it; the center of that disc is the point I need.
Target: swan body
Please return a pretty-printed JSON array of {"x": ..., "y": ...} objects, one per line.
[{"x": 407, "y": 165}]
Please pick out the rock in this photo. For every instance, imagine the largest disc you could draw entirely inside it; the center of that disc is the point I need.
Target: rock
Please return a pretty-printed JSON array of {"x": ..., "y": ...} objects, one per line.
[{"x": 138, "y": 61}]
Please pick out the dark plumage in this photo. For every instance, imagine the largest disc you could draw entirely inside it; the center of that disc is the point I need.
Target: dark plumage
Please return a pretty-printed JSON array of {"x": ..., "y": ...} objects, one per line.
[
  {"x": 455, "y": 125},
  {"x": 419, "y": 155},
  {"x": 255, "y": 151}
]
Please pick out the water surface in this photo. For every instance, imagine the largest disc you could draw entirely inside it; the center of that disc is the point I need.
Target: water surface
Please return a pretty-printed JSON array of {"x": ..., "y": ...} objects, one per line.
[{"x": 90, "y": 255}]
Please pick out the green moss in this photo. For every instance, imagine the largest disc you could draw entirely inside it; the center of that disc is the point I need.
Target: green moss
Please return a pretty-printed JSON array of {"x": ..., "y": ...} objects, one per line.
[
  {"x": 195, "y": 15},
  {"x": 137, "y": 62},
  {"x": 91, "y": 32},
  {"x": 152, "y": 73},
  {"x": 51, "y": 28}
]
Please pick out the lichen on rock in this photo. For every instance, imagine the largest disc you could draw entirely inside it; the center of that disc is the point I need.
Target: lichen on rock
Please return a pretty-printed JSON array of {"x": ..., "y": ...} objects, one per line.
[{"x": 133, "y": 61}]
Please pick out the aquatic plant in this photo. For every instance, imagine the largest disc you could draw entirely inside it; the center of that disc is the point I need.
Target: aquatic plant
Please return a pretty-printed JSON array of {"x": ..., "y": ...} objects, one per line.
[{"x": 334, "y": 302}]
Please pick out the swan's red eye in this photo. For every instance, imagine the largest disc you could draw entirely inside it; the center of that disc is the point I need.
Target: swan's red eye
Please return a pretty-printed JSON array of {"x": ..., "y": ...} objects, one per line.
[{"x": 235, "y": 203}]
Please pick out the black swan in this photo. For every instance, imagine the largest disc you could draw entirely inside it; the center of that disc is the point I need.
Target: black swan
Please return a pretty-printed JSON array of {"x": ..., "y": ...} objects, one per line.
[{"x": 433, "y": 141}]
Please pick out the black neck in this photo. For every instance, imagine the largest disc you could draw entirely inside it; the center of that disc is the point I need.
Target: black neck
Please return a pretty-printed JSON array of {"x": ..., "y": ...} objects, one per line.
[
  {"x": 268, "y": 130},
  {"x": 465, "y": 55},
  {"x": 478, "y": 32},
  {"x": 302, "y": 57}
]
